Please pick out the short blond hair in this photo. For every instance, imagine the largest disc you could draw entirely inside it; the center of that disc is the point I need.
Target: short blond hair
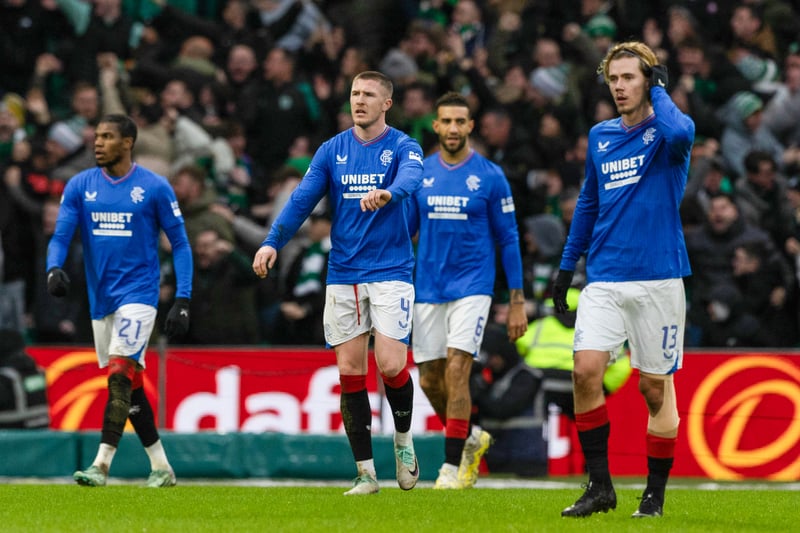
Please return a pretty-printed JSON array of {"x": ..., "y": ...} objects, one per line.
[{"x": 647, "y": 58}]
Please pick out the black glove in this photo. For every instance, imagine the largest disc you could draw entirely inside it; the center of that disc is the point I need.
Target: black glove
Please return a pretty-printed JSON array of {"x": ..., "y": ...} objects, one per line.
[
  {"x": 57, "y": 282},
  {"x": 560, "y": 287},
  {"x": 659, "y": 76},
  {"x": 177, "y": 319}
]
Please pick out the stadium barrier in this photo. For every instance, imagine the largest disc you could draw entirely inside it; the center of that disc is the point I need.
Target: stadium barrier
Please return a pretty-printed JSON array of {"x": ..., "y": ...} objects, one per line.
[{"x": 46, "y": 453}]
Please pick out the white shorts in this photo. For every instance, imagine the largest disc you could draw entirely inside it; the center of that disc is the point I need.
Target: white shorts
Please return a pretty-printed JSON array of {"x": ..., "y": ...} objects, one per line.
[
  {"x": 351, "y": 310},
  {"x": 126, "y": 332},
  {"x": 458, "y": 324},
  {"x": 650, "y": 315}
]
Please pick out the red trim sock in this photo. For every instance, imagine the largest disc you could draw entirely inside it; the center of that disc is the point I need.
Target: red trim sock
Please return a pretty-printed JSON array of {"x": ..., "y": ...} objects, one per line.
[
  {"x": 661, "y": 447},
  {"x": 592, "y": 419},
  {"x": 398, "y": 381},
  {"x": 353, "y": 383},
  {"x": 457, "y": 428}
]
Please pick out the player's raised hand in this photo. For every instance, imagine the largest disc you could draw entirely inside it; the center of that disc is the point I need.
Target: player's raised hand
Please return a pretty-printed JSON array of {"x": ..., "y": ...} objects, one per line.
[
  {"x": 375, "y": 199},
  {"x": 264, "y": 260},
  {"x": 659, "y": 76}
]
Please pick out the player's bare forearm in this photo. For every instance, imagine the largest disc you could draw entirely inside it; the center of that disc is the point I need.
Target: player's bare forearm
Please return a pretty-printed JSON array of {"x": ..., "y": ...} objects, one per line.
[{"x": 517, "y": 318}]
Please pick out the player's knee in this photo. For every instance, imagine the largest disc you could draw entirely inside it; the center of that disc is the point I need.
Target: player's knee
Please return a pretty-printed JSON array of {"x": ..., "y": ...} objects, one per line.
[
  {"x": 392, "y": 369},
  {"x": 586, "y": 379},
  {"x": 652, "y": 390},
  {"x": 430, "y": 382}
]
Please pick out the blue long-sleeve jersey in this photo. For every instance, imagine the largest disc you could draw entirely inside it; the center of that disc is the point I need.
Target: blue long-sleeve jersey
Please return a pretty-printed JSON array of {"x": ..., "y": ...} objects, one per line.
[
  {"x": 462, "y": 212},
  {"x": 365, "y": 246},
  {"x": 626, "y": 219},
  {"x": 120, "y": 219}
]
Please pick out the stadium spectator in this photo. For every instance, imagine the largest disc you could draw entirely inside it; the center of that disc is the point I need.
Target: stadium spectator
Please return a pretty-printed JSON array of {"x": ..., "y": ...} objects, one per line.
[
  {"x": 762, "y": 199},
  {"x": 303, "y": 299},
  {"x": 466, "y": 21},
  {"x": 711, "y": 247},
  {"x": 276, "y": 110},
  {"x": 59, "y": 320},
  {"x": 744, "y": 132},
  {"x": 543, "y": 237},
  {"x": 29, "y": 29},
  {"x": 224, "y": 293},
  {"x": 782, "y": 112},
  {"x": 765, "y": 294},
  {"x": 418, "y": 115},
  {"x": 230, "y": 29},
  {"x": 69, "y": 148},
  {"x": 23, "y": 385},
  {"x": 369, "y": 276},
  {"x": 98, "y": 27},
  {"x": 455, "y": 278},
  {"x": 715, "y": 79},
  {"x": 708, "y": 177},
  {"x": 126, "y": 203},
  {"x": 504, "y": 392},
  {"x": 749, "y": 30},
  {"x": 510, "y": 147},
  {"x": 723, "y": 321},
  {"x": 195, "y": 198},
  {"x": 241, "y": 70},
  {"x": 290, "y": 23}
]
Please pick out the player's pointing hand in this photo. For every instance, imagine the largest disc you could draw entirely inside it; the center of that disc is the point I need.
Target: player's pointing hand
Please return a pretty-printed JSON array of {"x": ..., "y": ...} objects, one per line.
[{"x": 375, "y": 199}]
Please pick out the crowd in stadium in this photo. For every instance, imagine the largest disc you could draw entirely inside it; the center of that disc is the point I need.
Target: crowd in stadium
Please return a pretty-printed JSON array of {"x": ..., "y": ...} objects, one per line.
[{"x": 233, "y": 97}]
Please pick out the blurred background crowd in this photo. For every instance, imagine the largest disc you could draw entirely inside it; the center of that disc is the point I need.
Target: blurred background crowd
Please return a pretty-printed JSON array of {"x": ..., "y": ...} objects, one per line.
[{"x": 232, "y": 97}]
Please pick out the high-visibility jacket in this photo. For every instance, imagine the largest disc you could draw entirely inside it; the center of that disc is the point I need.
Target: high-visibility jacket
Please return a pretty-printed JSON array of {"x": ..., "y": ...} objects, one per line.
[{"x": 547, "y": 343}]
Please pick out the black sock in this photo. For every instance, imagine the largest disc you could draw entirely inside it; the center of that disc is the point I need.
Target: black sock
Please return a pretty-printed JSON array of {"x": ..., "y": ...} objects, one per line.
[
  {"x": 357, "y": 418},
  {"x": 594, "y": 443},
  {"x": 117, "y": 407},
  {"x": 453, "y": 447},
  {"x": 401, "y": 401},
  {"x": 658, "y": 472},
  {"x": 142, "y": 419}
]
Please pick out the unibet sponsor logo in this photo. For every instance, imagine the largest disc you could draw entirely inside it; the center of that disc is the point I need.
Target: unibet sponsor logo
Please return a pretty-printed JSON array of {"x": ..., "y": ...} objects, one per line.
[
  {"x": 358, "y": 185},
  {"x": 733, "y": 404},
  {"x": 622, "y": 172},
  {"x": 622, "y": 165},
  {"x": 362, "y": 179},
  {"x": 447, "y": 207},
  {"x": 113, "y": 224}
]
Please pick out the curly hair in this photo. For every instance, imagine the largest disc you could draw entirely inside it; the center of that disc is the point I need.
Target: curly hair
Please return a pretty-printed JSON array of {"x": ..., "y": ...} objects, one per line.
[{"x": 647, "y": 58}]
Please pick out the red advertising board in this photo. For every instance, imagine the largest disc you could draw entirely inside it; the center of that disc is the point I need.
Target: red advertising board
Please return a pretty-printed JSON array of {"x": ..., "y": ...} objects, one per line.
[
  {"x": 740, "y": 413},
  {"x": 222, "y": 389}
]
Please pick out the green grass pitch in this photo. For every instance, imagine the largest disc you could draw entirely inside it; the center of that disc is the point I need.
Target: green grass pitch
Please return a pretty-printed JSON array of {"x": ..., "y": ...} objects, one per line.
[{"x": 195, "y": 507}]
